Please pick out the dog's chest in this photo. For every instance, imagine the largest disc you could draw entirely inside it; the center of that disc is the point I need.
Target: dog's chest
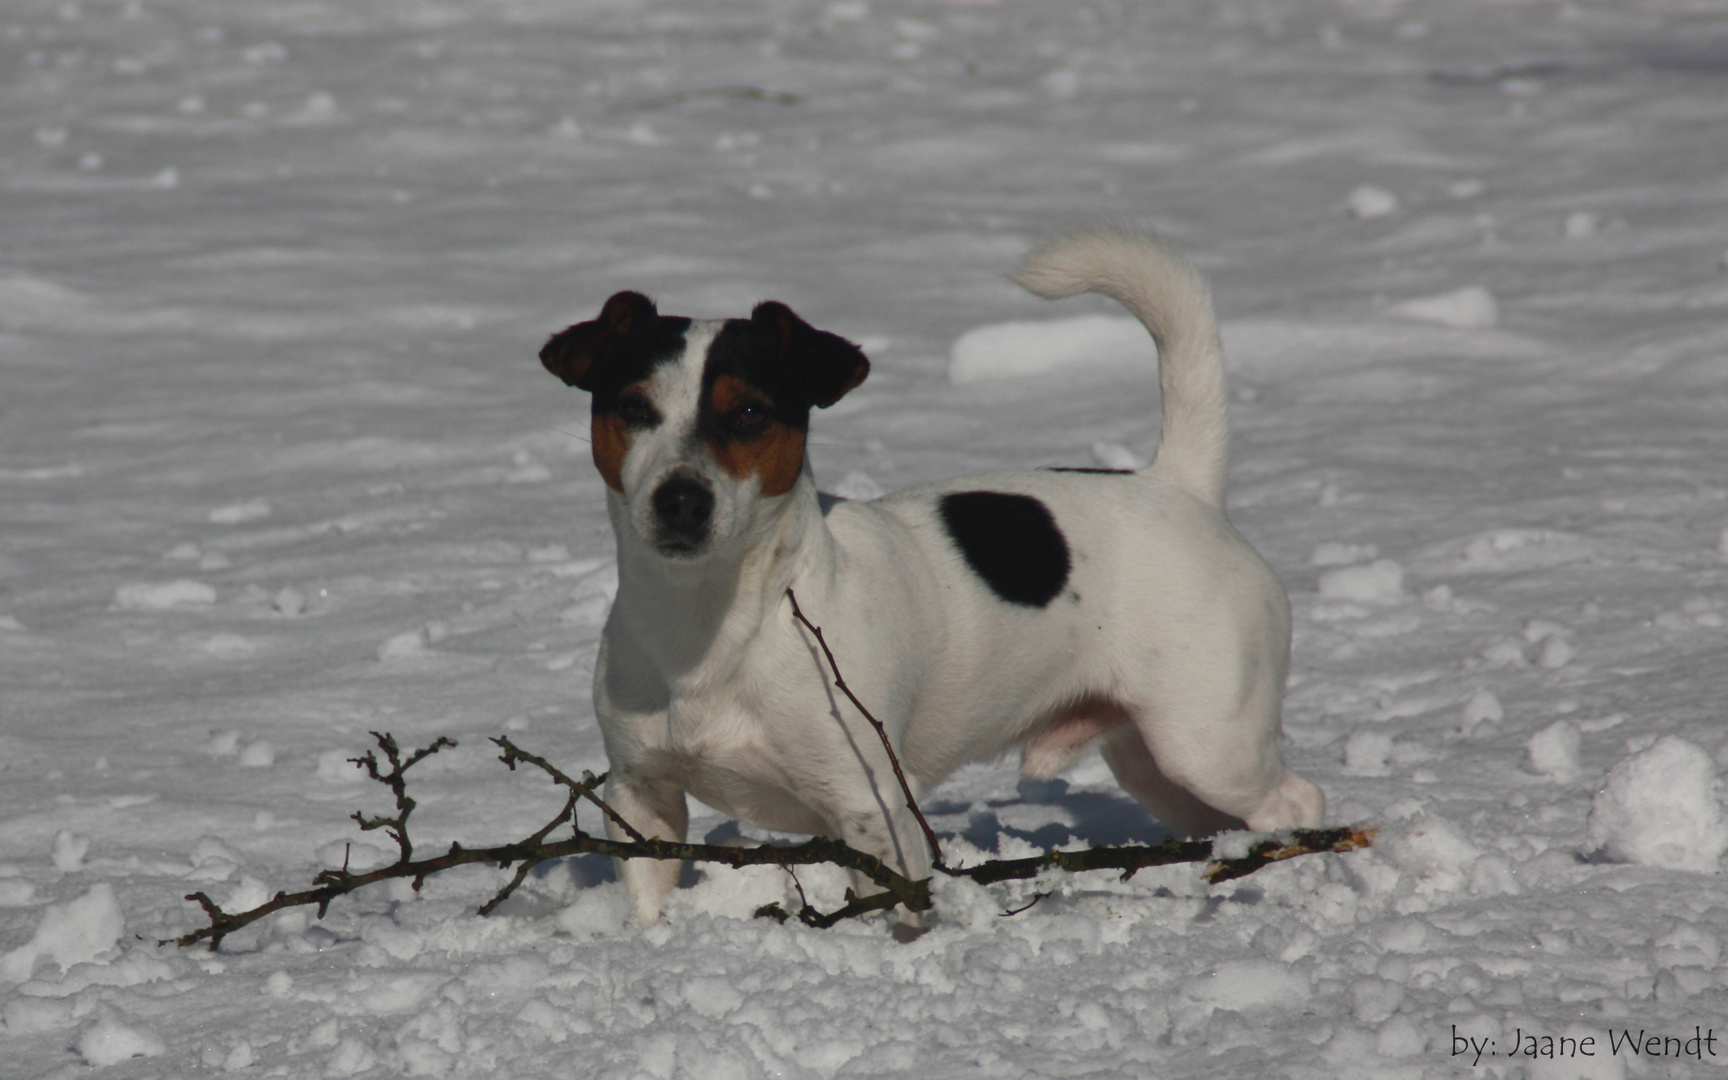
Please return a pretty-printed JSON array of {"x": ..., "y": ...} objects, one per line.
[{"x": 734, "y": 753}]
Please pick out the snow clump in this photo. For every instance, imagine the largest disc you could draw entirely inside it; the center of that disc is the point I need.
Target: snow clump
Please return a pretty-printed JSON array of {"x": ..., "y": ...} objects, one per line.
[
  {"x": 1366, "y": 753},
  {"x": 1116, "y": 456},
  {"x": 1662, "y": 808},
  {"x": 69, "y": 851},
  {"x": 75, "y": 932},
  {"x": 241, "y": 512},
  {"x": 1554, "y": 751},
  {"x": 1380, "y": 582},
  {"x": 1368, "y": 202},
  {"x": 161, "y": 596},
  {"x": 1011, "y": 349},
  {"x": 1338, "y": 553},
  {"x": 1469, "y": 308},
  {"x": 858, "y": 486},
  {"x": 1482, "y": 708},
  {"x": 109, "y": 1042}
]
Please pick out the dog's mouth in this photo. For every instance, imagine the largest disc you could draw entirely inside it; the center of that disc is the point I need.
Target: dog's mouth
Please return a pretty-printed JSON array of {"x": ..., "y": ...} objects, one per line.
[{"x": 679, "y": 549}]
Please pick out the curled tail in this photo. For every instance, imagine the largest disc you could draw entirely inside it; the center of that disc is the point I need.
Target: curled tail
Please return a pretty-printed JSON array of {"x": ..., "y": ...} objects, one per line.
[{"x": 1171, "y": 300}]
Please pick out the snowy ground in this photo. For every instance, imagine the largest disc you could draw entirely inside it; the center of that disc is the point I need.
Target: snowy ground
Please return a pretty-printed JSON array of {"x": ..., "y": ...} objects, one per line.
[{"x": 278, "y": 466}]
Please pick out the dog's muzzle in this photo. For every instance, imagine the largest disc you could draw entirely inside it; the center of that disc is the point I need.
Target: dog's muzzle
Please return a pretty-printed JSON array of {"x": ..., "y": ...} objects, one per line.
[{"x": 683, "y": 507}]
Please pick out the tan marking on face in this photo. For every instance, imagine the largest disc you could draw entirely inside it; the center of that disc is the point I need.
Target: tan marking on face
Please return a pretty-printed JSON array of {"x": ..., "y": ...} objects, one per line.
[
  {"x": 610, "y": 442},
  {"x": 774, "y": 456}
]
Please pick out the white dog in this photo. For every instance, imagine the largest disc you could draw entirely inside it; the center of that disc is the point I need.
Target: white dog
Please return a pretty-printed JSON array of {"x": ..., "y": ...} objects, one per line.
[{"x": 1038, "y": 609}]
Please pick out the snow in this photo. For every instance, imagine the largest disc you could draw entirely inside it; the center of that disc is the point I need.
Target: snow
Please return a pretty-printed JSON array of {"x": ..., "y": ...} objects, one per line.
[
  {"x": 1368, "y": 202},
  {"x": 1662, "y": 807},
  {"x": 1380, "y": 582},
  {"x": 1470, "y": 308},
  {"x": 1033, "y": 347},
  {"x": 109, "y": 1041},
  {"x": 75, "y": 932},
  {"x": 148, "y": 596},
  {"x": 1554, "y": 750},
  {"x": 273, "y": 281}
]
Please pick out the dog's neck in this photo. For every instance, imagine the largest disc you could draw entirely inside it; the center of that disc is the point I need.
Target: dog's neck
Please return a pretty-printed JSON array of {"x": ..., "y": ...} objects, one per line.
[{"x": 696, "y": 620}]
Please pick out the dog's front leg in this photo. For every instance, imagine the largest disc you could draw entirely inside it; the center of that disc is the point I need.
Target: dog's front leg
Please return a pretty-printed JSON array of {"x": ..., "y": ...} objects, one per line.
[
  {"x": 658, "y": 810},
  {"x": 896, "y": 839}
]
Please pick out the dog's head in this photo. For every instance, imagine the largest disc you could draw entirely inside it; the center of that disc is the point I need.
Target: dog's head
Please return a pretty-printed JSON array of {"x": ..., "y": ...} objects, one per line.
[{"x": 699, "y": 425}]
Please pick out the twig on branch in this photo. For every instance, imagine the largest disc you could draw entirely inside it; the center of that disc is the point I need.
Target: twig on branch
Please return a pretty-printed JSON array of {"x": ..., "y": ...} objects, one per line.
[
  {"x": 1023, "y": 908},
  {"x": 583, "y": 789},
  {"x": 881, "y": 732},
  {"x": 396, "y": 826}
]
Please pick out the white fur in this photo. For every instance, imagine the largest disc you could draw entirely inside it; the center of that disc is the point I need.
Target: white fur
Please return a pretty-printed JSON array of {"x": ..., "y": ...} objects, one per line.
[{"x": 1169, "y": 621}]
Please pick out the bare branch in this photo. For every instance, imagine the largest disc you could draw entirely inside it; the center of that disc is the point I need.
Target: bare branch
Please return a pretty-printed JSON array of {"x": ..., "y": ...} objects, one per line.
[
  {"x": 535, "y": 849},
  {"x": 1300, "y": 842},
  {"x": 881, "y": 732},
  {"x": 896, "y": 889},
  {"x": 1131, "y": 858}
]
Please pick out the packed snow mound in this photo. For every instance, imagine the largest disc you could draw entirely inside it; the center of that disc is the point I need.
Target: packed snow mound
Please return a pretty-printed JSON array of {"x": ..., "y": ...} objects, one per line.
[
  {"x": 1010, "y": 350},
  {"x": 1368, "y": 202},
  {"x": 1554, "y": 751},
  {"x": 1662, "y": 808},
  {"x": 1380, "y": 582},
  {"x": 75, "y": 932},
  {"x": 161, "y": 596},
  {"x": 1470, "y": 308},
  {"x": 1243, "y": 985},
  {"x": 1431, "y": 847},
  {"x": 109, "y": 1042}
]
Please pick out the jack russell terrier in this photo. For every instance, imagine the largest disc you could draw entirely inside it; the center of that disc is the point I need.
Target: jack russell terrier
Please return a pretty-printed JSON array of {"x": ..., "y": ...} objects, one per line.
[{"x": 1041, "y": 609}]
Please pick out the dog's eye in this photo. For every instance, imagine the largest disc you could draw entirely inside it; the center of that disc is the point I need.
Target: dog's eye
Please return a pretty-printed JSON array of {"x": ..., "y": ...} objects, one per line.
[
  {"x": 749, "y": 417},
  {"x": 636, "y": 408}
]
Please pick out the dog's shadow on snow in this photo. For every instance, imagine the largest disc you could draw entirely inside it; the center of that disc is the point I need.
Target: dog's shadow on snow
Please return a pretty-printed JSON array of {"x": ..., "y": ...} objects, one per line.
[{"x": 1095, "y": 818}]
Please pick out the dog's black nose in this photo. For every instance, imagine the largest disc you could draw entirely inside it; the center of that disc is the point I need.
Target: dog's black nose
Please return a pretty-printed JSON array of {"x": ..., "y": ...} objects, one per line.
[{"x": 683, "y": 506}]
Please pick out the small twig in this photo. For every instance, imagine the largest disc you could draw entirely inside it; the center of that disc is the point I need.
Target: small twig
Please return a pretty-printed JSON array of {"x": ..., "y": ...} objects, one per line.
[
  {"x": 820, "y": 920},
  {"x": 396, "y": 826},
  {"x": 583, "y": 788},
  {"x": 1027, "y": 906},
  {"x": 881, "y": 732}
]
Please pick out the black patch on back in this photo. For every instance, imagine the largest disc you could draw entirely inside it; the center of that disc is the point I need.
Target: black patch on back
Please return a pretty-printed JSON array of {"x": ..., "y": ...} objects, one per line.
[
  {"x": 1095, "y": 472},
  {"x": 1010, "y": 541}
]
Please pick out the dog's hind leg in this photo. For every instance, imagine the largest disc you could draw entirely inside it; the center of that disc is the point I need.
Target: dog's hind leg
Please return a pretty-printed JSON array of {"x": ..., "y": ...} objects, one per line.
[
  {"x": 1227, "y": 777},
  {"x": 1138, "y": 773},
  {"x": 659, "y": 811}
]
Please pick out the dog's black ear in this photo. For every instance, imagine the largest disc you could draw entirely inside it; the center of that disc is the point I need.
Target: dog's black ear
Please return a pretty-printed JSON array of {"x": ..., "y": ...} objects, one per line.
[
  {"x": 826, "y": 366},
  {"x": 571, "y": 353}
]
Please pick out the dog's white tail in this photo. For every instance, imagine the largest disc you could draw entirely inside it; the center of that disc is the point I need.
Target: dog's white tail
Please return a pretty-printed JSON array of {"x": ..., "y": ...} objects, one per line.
[{"x": 1171, "y": 299}]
